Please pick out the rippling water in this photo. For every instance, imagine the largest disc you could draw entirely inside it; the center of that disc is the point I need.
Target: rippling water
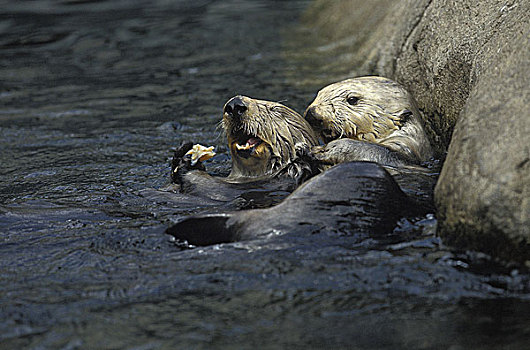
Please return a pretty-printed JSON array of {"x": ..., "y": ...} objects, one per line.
[{"x": 93, "y": 97}]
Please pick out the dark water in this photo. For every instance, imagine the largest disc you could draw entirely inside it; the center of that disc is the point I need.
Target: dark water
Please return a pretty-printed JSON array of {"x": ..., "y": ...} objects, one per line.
[{"x": 93, "y": 96}]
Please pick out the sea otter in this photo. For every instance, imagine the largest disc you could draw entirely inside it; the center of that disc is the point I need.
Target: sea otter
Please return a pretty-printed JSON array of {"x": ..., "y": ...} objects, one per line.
[
  {"x": 264, "y": 137},
  {"x": 267, "y": 140},
  {"x": 368, "y": 118}
]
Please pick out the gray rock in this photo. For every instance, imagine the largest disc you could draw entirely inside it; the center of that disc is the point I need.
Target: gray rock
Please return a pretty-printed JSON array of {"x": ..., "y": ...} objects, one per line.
[
  {"x": 482, "y": 195},
  {"x": 467, "y": 65}
]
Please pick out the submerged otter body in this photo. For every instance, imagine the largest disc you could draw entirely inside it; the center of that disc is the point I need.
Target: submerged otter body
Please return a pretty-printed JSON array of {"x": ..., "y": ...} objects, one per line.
[
  {"x": 267, "y": 141},
  {"x": 368, "y": 118},
  {"x": 350, "y": 198}
]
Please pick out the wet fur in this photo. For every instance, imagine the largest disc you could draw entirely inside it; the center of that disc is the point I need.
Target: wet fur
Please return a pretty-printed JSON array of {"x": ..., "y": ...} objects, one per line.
[
  {"x": 285, "y": 133},
  {"x": 350, "y": 198}
]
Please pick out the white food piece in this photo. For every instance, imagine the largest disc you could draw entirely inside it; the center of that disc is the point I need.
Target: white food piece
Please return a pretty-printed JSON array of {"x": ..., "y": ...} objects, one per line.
[{"x": 200, "y": 153}]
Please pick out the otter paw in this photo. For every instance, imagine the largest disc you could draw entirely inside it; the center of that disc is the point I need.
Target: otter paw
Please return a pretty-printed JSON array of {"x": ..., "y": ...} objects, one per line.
[
  {"x": 188, "y": 157},
  {"x": 323, "y": 155}
]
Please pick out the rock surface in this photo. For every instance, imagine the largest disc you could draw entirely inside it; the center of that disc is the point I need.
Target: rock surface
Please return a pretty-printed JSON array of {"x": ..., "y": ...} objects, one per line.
[{"x": 467, "y": 64}]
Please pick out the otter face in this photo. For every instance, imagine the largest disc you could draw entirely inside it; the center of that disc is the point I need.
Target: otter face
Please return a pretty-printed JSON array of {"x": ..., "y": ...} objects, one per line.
[
  {"x": 366, "y": 108},
  {"x": 262, "y": 135}
]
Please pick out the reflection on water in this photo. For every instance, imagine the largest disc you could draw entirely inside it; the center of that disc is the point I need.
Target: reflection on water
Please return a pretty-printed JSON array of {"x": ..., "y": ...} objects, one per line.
[{"x": 93, "y": 96}]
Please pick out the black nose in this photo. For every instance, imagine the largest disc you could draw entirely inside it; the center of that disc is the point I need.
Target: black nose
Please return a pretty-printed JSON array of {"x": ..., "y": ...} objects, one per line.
[
  {"x": 311, "y": 118},
  {"x": 235, "y": 107}
]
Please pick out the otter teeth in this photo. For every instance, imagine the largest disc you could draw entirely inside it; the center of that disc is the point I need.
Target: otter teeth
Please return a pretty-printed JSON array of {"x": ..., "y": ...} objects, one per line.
[
  {"x": 246, "y": 146},
  {"x": 251, "y": 142}
]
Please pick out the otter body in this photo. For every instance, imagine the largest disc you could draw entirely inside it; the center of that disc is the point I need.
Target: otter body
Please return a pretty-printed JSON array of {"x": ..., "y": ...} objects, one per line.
[
  {"x": 368, "y": 118},
  {"x": 350, "y": 198}
]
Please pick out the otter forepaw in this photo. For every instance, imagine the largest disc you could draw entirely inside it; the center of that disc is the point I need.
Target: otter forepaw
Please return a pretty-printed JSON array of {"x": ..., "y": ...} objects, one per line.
[
  {"x": 302, "y": 168},
  {"x": 182, "y": 162},
  {"x": 321, "y": 155}
]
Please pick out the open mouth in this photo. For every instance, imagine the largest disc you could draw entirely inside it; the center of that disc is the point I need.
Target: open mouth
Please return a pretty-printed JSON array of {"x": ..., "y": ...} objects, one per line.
[{"x": 245, "y": 145}]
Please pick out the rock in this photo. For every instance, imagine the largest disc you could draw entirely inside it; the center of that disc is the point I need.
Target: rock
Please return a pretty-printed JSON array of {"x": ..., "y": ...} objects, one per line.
[
  {"x": 482, "y": 195},
  {"x": 467, "y": 65}
]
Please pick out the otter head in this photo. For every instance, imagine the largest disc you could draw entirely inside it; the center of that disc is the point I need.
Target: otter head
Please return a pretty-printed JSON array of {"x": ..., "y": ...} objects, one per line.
[
  {"x": 374, "y": 109},
  {"x": 263, "y": 136}
]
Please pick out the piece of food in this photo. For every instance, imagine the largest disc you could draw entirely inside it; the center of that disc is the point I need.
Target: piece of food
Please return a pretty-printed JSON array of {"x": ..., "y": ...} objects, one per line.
[{"x": 200, "y": 153}]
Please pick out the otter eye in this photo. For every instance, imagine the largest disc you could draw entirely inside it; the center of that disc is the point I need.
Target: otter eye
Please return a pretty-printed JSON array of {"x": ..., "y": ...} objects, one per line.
[{"x": 352, "y": 100}]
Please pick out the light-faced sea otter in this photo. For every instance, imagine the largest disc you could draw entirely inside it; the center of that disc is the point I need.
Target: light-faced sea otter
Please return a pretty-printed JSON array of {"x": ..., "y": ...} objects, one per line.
[{"x": 368, "y": 118}]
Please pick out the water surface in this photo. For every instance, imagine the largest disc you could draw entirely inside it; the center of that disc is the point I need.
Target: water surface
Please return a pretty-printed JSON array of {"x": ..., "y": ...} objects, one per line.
[{"x": 93, "y": 97}]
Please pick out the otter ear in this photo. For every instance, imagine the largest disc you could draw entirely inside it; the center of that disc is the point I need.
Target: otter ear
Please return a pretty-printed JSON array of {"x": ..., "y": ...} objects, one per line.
[
  {"x": 405, "y": 115},
  {"x": 203, "y": 230}
]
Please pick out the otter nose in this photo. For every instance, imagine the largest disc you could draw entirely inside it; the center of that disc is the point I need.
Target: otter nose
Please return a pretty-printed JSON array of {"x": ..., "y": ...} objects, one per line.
[
  {"x": 235, "y": 107},
  {"x": 311, "y": 117}
]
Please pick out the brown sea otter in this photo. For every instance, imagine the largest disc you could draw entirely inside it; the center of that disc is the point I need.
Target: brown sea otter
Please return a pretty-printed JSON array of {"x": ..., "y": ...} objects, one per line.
[
  {"x": 267, "y": 141},
  {"x": 264, "y": 137}
]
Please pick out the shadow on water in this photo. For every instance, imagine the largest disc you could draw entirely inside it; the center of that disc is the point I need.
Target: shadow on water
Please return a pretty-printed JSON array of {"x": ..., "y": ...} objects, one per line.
[{"x": 93, "y": 96}]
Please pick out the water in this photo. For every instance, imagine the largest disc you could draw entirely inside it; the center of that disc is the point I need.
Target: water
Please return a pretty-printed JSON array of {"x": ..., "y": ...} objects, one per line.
[{"x": 93, "y": 97}]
